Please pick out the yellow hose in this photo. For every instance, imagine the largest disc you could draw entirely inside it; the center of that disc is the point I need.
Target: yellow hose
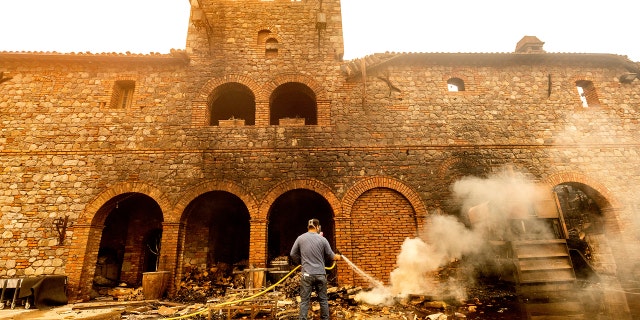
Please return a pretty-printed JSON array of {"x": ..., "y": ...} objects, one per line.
[{"x": 244, "y": 299}]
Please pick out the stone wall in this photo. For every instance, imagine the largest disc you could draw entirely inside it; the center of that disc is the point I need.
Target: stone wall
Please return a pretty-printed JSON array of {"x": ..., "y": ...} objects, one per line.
[{"x": 67, "y": 152}]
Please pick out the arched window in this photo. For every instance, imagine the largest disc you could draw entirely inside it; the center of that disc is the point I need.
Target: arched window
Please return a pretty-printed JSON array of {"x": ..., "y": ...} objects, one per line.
[
  {"x": 232, "y": 101},
  {"x": 587, "y": 92},
  {"x": 263, "y": 35},
  {"x": 270, "y": 43},
  {"x": 293, "y": 100},
  {"x": 271, "y": 48},
  {"x": 455, "y": 84}
]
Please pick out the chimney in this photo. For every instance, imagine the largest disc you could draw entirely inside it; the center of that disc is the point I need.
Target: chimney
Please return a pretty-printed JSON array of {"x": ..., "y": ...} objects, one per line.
[{"x": 529, "y": 44}]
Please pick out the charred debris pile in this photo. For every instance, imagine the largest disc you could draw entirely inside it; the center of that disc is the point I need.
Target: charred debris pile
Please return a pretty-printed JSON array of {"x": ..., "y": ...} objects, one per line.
[{"x": 200, "y": 288}]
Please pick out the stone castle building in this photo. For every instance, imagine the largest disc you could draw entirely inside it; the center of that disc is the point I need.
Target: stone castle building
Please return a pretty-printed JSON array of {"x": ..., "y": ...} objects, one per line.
[{"x": 117, "y": 164}]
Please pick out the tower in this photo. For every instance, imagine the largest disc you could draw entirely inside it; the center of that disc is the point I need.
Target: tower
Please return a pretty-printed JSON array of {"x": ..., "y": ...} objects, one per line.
[
  {"x": 264, "y": 61},
  {"x": 279, "y": 32}
]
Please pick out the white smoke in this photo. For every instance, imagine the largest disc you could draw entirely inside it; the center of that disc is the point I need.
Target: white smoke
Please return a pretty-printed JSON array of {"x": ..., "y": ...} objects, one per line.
[{"x": 448, "y": 239}]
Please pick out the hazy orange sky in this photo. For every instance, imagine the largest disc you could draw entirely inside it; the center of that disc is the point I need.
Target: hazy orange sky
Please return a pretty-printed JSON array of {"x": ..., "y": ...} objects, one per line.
[{"x": 370, "y": 26}]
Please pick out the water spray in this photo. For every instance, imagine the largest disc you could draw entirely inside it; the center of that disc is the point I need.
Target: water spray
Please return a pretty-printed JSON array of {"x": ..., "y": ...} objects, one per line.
[{"x": 373, "y": 281}]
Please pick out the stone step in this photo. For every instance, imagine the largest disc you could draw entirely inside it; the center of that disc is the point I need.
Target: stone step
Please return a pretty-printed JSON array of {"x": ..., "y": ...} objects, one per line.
[{"x": 560, "y": 310}]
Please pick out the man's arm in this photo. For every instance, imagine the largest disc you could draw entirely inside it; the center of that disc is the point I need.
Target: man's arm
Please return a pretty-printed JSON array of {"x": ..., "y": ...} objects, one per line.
[
  {"x": 295, "y": 252},
  {"x": 329, "y": 254}
]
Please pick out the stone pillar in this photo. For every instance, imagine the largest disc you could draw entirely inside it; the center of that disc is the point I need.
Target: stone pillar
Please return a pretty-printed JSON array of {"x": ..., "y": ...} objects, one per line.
[
  {"x": 81, "y": 263},
  {"x": 170, "y": 249},
  {"x": 258, "y": 243}
]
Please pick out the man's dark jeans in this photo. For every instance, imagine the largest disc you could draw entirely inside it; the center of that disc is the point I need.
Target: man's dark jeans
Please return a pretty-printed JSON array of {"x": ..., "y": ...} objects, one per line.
[{"x": 317, "y": 283}]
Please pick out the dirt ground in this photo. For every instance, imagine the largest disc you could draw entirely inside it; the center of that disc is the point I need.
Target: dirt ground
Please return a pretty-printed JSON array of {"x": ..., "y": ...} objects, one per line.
[{"x": 487, "y": 302}]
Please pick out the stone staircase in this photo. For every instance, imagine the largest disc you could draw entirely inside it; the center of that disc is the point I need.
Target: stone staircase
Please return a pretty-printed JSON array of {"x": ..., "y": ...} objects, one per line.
[{"x": 545, "y": 279}]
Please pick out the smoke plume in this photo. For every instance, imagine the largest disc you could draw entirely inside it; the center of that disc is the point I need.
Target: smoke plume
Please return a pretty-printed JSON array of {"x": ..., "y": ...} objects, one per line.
[{"x": 488, "y": 205}]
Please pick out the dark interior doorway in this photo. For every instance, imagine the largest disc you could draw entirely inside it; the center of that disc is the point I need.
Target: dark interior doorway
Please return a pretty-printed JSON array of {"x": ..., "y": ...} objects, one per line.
[
  {"x": 123, "y": 252},
  {"x": 217, "y": 231},
  {"x": 288, "y": 219}
]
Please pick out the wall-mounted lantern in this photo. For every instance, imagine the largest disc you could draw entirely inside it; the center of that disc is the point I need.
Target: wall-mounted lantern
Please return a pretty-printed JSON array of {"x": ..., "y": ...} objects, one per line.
[{"x": 60, "y": 225}]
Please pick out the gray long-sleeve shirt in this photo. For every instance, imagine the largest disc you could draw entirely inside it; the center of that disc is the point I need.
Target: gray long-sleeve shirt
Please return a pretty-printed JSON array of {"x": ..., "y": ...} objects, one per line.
[{"x": 312, "y": 250}]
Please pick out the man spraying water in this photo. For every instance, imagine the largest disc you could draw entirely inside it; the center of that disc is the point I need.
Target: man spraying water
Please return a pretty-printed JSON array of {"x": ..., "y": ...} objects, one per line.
[{"x": 312, "y": 251}]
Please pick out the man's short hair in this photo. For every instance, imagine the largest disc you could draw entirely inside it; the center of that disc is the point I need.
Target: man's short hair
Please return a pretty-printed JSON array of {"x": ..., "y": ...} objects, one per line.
[{"x": 313, "y": 223}]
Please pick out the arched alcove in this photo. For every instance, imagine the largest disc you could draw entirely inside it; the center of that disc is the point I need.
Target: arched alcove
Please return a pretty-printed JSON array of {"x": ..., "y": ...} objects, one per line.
[
  {"x": 232, "y": 101},
  {"x": 216, "y": 231},
  {"x": 293, "y": 100}
]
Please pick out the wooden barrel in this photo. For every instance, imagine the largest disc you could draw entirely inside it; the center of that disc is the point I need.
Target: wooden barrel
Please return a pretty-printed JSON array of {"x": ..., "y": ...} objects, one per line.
[
  {"x": 280, "y": 265},
  {"x": 279, "y": 268},
  {"x": 154, "y": 284}
]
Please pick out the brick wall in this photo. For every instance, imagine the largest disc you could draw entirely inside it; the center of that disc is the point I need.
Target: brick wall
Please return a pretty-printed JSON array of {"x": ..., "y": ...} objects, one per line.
[{"x": 381, "y": 220}]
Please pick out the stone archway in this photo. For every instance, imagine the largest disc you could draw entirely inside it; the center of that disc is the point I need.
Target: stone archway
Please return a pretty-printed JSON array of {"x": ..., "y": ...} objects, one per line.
[
  {"x": 288, "y": 218},
  {"x": 216, "y": 231},
  {"x": 295, "y": 192},
  {"x": 88, "y": 231},
  {"x": 128, "y": 240},
  {"x": 585, "y": 200},
  {"x": 209, "y": 211}
]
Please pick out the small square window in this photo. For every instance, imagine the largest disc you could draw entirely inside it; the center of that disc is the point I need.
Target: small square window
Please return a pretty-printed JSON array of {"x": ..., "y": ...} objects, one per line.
[
  {"x": 122, "y": 94},
  {"x": 587, "y": 93}
]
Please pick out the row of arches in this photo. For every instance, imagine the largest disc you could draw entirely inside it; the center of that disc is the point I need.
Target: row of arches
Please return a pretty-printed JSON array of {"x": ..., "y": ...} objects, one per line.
[
  {"x": 134, "y": 229},
  {"x": 240, "y": 100},
  {"x": 233, "y": 100}
]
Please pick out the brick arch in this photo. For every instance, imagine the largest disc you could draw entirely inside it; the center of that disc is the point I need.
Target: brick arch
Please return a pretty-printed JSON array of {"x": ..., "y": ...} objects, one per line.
[
  {"x": 608, "y": 200},
  {"x": 445, "y": 167},
  {"x": 382, "y": 213},
  {"x": 299, "y": 78},
  {"x": 309, "y": 184},
  {"x": 362, "y": 186},
  {"x": 454, "y": 75},
  {"x": 271, "y": 28},
  {"x": 89, "y": 214},
  {"x": 212, "y": 84},
  {"x": 218, "y": 185}
]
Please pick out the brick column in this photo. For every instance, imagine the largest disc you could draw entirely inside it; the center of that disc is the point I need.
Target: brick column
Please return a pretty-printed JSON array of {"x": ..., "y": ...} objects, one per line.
[
  {"x": 172, "y": 238},
  {"x": 81, "y": 264},
  {"x": 262, "y": 113},
  {"x": 324, "y": 112},
  {"x": 343, "y": 244},
  {"x": 613, "y": 235},
  {"x": 258, "y": 243}
]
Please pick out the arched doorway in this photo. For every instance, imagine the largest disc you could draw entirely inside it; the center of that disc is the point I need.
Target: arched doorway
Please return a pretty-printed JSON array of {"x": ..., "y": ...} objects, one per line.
[
  {"x": 133, "y": 221},
  {"x": 216, "y": 232},
  {"x": 288, "y": 219},
  {"x": 585, "y": 226}
]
